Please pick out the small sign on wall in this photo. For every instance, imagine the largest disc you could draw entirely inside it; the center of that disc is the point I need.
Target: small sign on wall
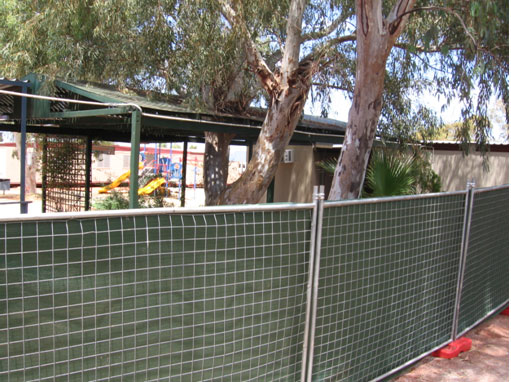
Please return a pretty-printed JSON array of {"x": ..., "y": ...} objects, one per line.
[{"x": 289, "y": 156}]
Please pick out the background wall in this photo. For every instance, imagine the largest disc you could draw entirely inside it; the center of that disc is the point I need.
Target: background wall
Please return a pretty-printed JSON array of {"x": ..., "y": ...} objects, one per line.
[
  {"x": 455, "y": 169},
  {"x": 294, "y": 181}
]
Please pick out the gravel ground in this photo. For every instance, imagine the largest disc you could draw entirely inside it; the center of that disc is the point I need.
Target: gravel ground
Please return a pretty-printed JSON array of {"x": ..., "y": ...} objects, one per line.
[{"x": 487, "y": 361}]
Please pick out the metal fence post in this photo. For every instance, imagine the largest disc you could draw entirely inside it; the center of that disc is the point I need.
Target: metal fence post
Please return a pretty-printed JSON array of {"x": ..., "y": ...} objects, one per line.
[
  {"x": 313, "y": 284},
  {"x": 315, "y": 199},
  {"x": 469, "y": 202}
]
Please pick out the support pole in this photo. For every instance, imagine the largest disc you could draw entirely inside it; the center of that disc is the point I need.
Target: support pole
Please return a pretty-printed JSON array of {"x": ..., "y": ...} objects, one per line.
[
  {"x": 310, "y": 281},
  {"x": 250, "y": 151},
  {"x": 136, "y": 122},
  {"x": 183, "y": 175},
  {"x": 44, "y": 172},
  {"x": 88, "y": 171},
  {"x": 469, "y": 203},
  {"x": 23, "y": 154},
  {"x": 320, "y": 197}
]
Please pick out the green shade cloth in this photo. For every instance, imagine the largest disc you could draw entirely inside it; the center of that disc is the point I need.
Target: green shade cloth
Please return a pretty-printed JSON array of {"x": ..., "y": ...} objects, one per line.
[
  {"x": 387, "y": 284},
  {"x": 486, "y": 278},
  {"x": 158, "y": 297},
  {"x": 222, "y": 296}
]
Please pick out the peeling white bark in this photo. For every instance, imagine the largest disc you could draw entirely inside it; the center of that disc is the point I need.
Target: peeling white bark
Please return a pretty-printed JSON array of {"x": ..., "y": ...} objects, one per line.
[
  {"x": 375, "y": 38},
  {"x": 287, "y": 90}
]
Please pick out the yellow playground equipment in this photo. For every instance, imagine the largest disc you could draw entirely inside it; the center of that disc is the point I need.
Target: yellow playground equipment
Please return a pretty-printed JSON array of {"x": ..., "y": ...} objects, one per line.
[
  {"x": 151, "y": 186},
  {"x": 118, "y": 181}
]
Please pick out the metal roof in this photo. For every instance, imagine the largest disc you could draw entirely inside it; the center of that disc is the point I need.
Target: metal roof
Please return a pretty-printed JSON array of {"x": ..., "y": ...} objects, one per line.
[
  {"x": 165, "y": 118},
  {"x": 103, "y": 93}
]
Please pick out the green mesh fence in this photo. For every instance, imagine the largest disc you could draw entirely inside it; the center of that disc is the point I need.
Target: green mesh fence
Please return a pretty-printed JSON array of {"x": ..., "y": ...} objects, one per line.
[
  {"x": 486, "y": 277},
  {"x": 387, "y": 284},
  {"x": 159, "y": 297},
  {"x": 218, "y": 296}
]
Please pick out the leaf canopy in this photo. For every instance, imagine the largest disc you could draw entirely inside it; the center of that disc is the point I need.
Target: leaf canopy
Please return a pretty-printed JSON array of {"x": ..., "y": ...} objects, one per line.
[{"x": 455, "y": 49}]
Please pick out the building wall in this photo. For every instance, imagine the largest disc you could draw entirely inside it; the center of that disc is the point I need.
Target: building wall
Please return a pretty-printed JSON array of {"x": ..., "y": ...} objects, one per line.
[
  {"x": 294, "y": 182},
  {"x": 456, "y": 170}
]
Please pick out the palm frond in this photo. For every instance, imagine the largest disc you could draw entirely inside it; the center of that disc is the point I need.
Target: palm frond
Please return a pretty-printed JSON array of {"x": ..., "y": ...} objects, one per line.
[{"x": 390, "y": 175}]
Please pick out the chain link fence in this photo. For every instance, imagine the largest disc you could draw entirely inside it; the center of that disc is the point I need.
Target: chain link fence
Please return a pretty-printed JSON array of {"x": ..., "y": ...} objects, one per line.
[{"x": 347, "y": 291}]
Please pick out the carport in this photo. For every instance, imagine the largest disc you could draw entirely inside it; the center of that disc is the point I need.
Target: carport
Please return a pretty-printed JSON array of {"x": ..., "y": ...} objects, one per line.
[{"x": 101, "y": 112}]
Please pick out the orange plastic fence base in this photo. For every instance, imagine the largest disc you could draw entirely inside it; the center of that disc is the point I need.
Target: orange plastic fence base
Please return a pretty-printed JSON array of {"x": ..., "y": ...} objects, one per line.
[
  {"x": 454, "y": 348},
  {"x": 505, "y": 312}
]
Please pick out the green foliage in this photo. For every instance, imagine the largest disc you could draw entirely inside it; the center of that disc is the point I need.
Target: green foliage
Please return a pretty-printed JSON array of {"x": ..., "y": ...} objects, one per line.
[
  {"x": 394, "y": 172},
  {"x": 114, "y": 201},
  {"x": 328, "y": 165},
  {"x": 389, "y": 175},
  {"x": 426, "y": 180},
  {"x": 449, "y": 48},
  {"x": 456, "y": 49},
  {"x": 119, "y": 201}
]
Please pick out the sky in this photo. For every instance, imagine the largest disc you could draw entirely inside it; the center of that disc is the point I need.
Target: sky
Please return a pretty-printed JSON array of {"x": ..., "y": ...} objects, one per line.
[{"x": 340, "y": 107}]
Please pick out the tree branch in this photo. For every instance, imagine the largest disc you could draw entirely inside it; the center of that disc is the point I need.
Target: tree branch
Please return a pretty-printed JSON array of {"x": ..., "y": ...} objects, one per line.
[
  {"x": 446, "y": 10},
  {"x": 336, "y": 87},
  {"x": 394, "y": 19},
  {"x": 453, "y": 12},
  {"x": 254, "y": 58},
  {"x": 320, "y": 50},
  {"x": 421, "y": 49},
  {"x": 325, "y": 32},
  {"x": 291, "y": 57}
]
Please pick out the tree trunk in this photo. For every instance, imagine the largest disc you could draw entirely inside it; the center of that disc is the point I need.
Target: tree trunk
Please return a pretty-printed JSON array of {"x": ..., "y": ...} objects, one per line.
[
  {"x": 31, "y": 172},
  {"x": 287, "y": 89},
  {"x": 375, "y": 38},
  {"x": 276, "y": 132},
  {"x": 30, "y": 165},
  {"x": 216, "y": 164}
]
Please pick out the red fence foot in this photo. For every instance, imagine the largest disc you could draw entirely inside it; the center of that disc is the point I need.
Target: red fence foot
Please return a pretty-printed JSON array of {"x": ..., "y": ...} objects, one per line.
[
  {"x": 505, "y": 312},
  {"x": 454, "y": 348}
]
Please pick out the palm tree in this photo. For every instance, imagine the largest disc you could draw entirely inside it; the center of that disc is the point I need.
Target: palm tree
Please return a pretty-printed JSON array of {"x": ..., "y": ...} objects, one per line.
[
  {"x": 389, "y": 174},
  {"x": 392, "y": 173}
]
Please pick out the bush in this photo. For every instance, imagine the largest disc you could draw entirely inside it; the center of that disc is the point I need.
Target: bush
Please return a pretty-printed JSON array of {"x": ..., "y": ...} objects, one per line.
[
  {"x": 114, "y": 201},
  {"x": 117, "y": 201}
]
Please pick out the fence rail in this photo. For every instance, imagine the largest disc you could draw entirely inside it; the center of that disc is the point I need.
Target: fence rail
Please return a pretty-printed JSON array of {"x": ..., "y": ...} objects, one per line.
[{"x": 326, "y": 291}]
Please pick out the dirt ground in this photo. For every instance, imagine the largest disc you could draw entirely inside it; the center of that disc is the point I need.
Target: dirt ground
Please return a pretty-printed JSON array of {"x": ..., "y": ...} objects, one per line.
[{"x": 487, "y": 361}]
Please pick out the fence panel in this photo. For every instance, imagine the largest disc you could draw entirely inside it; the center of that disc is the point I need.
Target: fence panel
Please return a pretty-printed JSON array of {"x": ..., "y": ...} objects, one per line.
[
  {"x": 486, "y": 279},
  {"x": 387, "y": 286},
  {"x": 217, "y": 296}
]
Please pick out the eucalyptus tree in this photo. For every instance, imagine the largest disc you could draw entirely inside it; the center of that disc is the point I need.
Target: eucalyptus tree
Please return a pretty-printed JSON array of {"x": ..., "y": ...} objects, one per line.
[
  {"x": 222, "y": 55},
  {"x": 173, "y": 47},
  {"x": 450, "y": 48}
]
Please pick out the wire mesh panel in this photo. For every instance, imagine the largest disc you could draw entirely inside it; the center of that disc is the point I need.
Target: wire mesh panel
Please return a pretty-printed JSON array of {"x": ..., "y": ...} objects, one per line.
[
  {"x": 387, "y": 286},
  {"x": 486, "y": 278},
  {"x": 64, "y": 168},
  {"x": 199, "y": 297}
]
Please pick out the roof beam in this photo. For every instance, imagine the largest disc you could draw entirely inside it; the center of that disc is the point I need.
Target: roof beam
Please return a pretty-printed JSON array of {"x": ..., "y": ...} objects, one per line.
[
  {"x": 90, "y": 113},
  {"x": 86, "y": 94}
]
